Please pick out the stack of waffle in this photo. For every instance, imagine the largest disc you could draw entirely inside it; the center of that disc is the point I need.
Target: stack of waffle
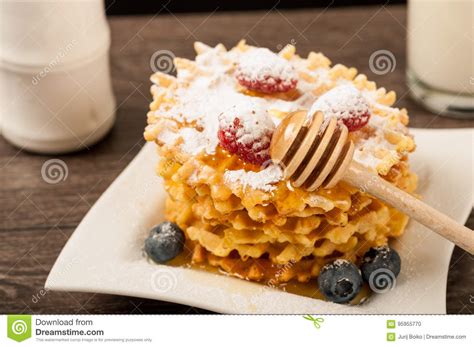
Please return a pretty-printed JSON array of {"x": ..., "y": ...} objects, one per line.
[{"x": 244, "y": 218}]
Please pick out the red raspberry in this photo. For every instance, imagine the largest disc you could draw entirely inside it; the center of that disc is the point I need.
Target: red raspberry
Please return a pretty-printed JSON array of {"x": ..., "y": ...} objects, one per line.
[
  {"x": 263, "y": 71},
  {"x": 267, "y": 84},
  {"x": 347, "y": 104},
  {"x": 248, "y": 135}
]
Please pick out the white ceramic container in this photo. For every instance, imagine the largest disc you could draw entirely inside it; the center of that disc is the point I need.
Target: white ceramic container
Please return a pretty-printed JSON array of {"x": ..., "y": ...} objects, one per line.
[{"x": 55, "y": 87}]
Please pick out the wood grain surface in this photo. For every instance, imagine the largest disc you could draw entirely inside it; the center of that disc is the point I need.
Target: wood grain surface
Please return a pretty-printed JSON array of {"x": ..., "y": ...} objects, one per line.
[{"x": 37, "y": 218}]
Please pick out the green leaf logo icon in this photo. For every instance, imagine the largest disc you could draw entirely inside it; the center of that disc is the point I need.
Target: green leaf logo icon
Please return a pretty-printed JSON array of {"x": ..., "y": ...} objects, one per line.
[{"x": 19, "y": 327}]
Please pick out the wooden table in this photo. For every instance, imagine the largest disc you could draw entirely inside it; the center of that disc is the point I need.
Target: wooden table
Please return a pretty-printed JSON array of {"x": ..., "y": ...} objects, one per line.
[{"x": 37, "y": 218}]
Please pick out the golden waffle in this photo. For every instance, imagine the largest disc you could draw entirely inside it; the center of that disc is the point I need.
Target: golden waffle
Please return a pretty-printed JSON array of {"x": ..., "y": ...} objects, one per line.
[{"x": 281, "y": 233}]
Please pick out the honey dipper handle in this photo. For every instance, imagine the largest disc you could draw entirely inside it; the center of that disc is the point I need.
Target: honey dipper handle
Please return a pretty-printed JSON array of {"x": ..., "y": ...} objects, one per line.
[{"x": 371, "y": 183}]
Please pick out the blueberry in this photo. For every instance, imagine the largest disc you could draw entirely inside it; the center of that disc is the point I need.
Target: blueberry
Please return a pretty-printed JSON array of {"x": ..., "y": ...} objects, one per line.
[
  {"x": 380, "y": 267},
  {"x": 340, "y": 281},
  {"x": 165, "y": 242}
]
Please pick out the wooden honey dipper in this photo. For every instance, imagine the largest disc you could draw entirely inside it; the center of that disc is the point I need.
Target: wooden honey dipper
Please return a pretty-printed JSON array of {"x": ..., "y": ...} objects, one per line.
[{"x": 316, "y": 153}]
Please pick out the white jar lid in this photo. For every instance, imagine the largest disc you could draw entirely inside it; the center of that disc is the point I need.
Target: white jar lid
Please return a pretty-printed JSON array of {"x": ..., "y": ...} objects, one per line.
[{"x": 39, "y": 33}]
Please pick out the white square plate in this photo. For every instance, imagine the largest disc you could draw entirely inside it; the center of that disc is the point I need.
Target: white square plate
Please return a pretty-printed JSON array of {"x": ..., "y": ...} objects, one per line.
[{"x": 104, "y": 254}]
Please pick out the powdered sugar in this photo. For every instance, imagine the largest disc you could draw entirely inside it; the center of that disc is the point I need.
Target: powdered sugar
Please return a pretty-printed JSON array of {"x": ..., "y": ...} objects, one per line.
[
  {"x": 255, "y": 122},
  {"x": 318, "y": 78},
  {"x": 207, "y": 88},
  {"x": 247, "y": 132},
  {"x": 262, "y": 180},
  {"x": 340, "y": 101},
  {"x": 194, "y": 142},
  {"x": 167, "y": 136},
  {"x": 261, "y": 63},
  {"x": 366, "y": 149},
  {"x": 213, "y": 92}
]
